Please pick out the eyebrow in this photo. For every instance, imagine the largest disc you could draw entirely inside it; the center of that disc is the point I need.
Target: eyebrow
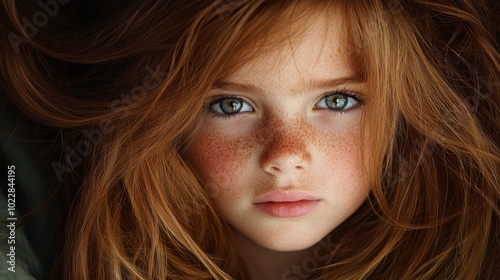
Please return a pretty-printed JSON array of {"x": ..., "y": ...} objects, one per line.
[{"x": 313, "y": 84}]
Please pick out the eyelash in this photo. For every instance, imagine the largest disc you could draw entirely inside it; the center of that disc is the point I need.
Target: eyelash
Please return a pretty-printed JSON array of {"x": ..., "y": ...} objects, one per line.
[{"x": 218, "y": 98}]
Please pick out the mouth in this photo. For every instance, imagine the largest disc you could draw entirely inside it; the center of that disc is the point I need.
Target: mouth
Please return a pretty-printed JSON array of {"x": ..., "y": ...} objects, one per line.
[{"x": 286, "y": 204}]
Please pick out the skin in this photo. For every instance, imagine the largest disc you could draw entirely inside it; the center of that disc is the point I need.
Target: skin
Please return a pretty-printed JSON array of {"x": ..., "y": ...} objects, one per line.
[{"x": 285, "y": 141}]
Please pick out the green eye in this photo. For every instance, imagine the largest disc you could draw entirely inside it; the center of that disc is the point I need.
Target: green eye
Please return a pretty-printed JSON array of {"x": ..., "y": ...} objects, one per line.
[
  {"x": 337, "y": 101},
  {"x": 230, "y": 105}
]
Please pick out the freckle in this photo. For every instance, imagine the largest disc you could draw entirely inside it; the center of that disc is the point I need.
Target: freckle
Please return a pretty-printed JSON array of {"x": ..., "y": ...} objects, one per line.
[{"x": 225, "y": 155}]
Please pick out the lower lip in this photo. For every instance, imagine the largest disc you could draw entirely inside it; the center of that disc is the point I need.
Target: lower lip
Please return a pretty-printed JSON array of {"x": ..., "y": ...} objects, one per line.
[{"x": 289, "y": 209}]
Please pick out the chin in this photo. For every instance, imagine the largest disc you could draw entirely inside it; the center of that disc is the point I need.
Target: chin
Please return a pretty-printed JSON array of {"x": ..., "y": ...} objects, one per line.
[
  {"x": 289, "y": 247},
  {"x": 288, "y": 243}
]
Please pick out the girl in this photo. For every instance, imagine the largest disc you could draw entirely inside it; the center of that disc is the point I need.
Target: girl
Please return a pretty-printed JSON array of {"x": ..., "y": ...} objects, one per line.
[{"x": 267, "y": 139}]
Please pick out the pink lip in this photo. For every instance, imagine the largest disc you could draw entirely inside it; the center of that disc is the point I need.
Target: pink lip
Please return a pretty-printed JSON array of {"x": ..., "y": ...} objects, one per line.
[{"x": 286, "y": 204}]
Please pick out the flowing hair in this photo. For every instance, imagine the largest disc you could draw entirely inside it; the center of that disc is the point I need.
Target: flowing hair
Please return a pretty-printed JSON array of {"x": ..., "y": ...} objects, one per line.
[{"x": 127, "y": 81}]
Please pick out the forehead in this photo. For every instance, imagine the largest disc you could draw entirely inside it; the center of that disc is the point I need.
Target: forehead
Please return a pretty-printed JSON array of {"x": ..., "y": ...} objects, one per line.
[{"x": 309, "y": 49}]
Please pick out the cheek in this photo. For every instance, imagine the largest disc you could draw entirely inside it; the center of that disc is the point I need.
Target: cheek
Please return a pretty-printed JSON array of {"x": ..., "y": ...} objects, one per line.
[
  {"x": 339, "y": 134},
  {"x": 341, "y": 145},
  {"x": 340, "y": 160},
  {"x": 346, "y": 152},
  {"x": 219, "y": 160}
]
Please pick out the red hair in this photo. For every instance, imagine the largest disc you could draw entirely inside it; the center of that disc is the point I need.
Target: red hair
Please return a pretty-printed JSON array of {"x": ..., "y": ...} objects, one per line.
[{"x": 136, "y": 77}]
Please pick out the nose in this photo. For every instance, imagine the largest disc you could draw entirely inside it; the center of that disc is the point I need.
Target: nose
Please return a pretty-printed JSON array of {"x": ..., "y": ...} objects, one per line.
[{"x": 285, "y": 151}]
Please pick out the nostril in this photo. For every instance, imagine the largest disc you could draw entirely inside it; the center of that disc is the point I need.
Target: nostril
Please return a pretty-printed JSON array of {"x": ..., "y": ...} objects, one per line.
[
  {"x": 285, "y": 163},
  {"x": 274, "y": 168}
]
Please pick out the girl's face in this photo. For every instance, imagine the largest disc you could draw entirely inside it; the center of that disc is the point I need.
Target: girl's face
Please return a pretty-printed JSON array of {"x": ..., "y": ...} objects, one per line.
[{"x": 280, "y": 149}]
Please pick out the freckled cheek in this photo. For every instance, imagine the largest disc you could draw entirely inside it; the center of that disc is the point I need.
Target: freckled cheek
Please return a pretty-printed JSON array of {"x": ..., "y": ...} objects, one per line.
[
  {"x": 342, "y": 153},
  {"x": 219, "y": 160}
]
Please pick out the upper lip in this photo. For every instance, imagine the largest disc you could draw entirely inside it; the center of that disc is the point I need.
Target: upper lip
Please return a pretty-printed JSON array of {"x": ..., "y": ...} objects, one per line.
[{"x": 285, "y": 196}]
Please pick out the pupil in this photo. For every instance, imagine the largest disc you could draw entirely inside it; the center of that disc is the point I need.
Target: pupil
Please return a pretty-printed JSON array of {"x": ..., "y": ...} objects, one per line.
[
  {"x": 336, "y": 101},
  {"x": 231, "y": 105}
]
